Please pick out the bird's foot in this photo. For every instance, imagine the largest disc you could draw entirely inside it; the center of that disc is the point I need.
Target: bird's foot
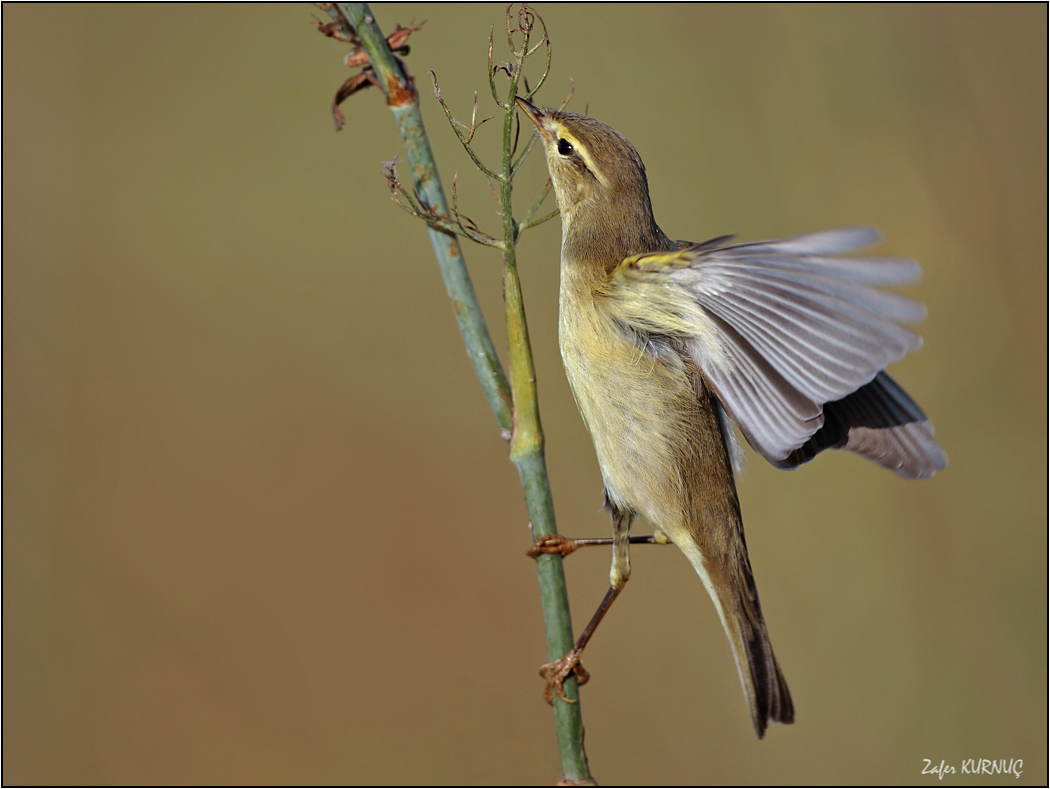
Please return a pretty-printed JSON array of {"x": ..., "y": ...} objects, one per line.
[
  {"x": 557, "y": 671},
  {"x": 553, "y": 543}
]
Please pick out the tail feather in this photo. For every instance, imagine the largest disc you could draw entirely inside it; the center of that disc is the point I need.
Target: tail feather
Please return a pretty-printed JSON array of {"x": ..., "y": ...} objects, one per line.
[
  {"x": 764, "y": 686},
  {"x": 732, "y": 589}
]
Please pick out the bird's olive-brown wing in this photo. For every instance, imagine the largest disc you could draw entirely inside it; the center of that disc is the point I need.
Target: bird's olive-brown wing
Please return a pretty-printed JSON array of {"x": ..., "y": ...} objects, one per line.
[{"x": 793, "y": 338}]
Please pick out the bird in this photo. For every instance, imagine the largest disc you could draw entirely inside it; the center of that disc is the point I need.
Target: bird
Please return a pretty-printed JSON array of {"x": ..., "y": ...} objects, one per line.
[{"x": 668, "y": 344}]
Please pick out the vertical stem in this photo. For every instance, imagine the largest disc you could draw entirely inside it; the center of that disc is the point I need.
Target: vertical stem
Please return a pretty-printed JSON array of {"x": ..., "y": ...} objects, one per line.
[
  {"x": 516, "y": 407},
  {"x": 404, "y": 104},
  {"x": 527, "y": 454}
]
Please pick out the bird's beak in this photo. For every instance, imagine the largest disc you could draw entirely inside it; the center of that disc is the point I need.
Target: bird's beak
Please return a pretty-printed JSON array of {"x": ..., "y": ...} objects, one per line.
[{"x": 535, "y": 114}]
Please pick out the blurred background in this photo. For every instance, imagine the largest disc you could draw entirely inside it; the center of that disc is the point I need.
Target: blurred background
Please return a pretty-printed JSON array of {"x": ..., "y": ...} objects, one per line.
[{"x": 259, "y": 525}]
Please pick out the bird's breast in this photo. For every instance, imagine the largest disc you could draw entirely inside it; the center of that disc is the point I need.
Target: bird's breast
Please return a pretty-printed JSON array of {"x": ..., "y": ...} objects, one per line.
[{"x": 648, "y": 413}]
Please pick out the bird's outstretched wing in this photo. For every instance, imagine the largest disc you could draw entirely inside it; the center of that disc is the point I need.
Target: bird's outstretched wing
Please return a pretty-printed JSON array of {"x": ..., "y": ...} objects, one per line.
[{"x": 793, "y": 339}]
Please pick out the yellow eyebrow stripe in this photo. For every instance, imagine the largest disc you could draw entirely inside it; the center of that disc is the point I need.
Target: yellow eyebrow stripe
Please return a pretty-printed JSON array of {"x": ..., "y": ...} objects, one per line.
[{"x": 563, "y": 134}]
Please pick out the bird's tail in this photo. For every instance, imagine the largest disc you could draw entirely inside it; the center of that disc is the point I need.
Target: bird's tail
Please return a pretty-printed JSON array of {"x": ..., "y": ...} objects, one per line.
[{"x": 728, "y": 579}]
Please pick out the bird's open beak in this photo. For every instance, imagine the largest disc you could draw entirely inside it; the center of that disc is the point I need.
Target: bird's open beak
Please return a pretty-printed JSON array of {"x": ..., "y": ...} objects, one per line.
[{"x": 535, "y": 114}]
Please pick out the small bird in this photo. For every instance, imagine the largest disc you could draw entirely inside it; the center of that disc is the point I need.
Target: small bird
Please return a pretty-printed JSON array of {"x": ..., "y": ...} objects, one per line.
[{"x": 665, "y": 343}]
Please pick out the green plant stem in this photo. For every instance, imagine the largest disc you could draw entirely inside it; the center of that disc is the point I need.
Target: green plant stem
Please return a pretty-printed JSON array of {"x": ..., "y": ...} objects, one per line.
[
  {"x": 527, "y": 454},
  {"x": 521, "y": 419},
  {"x": 404, "y": 104}
]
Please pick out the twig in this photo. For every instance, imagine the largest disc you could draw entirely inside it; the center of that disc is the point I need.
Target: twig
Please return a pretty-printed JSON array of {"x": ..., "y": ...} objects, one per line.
[{"x": 464, "y": 141}]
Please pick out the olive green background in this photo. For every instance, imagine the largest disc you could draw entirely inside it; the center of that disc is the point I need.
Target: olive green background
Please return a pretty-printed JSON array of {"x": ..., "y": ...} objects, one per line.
[{"x": 259, "y": 524}]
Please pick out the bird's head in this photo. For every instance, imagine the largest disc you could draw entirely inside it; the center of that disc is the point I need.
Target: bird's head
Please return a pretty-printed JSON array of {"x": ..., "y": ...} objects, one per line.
[{"x": 595, "y": 170}]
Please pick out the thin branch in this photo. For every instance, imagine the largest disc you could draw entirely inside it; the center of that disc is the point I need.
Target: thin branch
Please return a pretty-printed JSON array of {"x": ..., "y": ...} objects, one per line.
[
  {"x": 572, "y": 92},
  {"x": 493, "y": 189},
  {"x": 510, "y": 31},
  {"x": 492, "y": 75},
  {"x": 517, "y": 134},
  {"x": 547, "y": 67},
  {"x": 412, "y": 205},
  {"x": 533, "y": 139},
  {"x": 523, "y": 226},
  {"x": 527, "y": 441},
  {"x": 474, "y": 125},
  {"x": 467, "y": 226},
  {"x": 546, "y": 190},
  {"x": 464, "y": 141}
]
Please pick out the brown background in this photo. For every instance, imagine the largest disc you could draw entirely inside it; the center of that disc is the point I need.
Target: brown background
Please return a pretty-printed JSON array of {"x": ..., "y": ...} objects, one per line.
[{"x": 259, "y": 525}]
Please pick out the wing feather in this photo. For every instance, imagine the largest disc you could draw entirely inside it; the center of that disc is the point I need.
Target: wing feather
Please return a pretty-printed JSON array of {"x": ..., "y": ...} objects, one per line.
[
  {"x": 881, "y": 422},
  {"x": 793, "y": 340}
]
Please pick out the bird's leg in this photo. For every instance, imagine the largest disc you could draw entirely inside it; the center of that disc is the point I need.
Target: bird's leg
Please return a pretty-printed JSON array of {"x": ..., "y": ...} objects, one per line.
[{"x": 556, "y": 671}]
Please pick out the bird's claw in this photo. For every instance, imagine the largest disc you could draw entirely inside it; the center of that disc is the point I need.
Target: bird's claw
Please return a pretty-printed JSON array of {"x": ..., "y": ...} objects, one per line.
[
  {"x": 553, "y": 543},
  {"x": 557, "y": 671}
]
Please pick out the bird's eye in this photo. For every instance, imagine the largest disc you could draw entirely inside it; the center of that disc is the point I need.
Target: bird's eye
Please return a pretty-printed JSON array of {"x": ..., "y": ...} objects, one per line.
[{"x": 564, "y": 147}]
